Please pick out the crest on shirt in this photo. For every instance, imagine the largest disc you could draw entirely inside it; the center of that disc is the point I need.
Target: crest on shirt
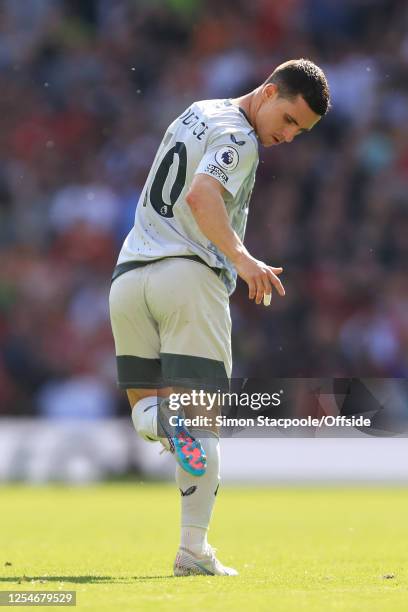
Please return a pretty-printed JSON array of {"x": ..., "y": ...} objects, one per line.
[
  {"x": 238, "y": 142},
  {"x": 227, "y": 158}
]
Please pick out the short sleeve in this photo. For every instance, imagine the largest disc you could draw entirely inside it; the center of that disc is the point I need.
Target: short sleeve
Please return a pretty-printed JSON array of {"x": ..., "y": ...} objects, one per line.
[{"x": 229, "y": 158}]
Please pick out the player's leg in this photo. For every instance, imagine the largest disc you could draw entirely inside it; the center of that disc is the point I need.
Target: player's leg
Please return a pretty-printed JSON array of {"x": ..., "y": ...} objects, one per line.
[
  {"x": 137, "y": 345},
  {"x": 145, "y": 404},
  {"x": 152, "y": 420},
  {"x": 195, "y": 352}
]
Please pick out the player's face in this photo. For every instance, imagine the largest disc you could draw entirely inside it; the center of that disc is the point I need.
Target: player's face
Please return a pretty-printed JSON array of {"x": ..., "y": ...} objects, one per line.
[{"x": 279, "y": 119}]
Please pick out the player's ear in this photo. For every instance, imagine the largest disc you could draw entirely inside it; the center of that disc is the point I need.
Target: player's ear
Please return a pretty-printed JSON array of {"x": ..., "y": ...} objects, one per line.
[{"x": 269, "y": 91}]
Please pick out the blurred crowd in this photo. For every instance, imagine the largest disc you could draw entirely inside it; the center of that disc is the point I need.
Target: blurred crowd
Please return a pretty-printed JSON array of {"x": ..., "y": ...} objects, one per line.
[{"x": 87, "y": 89}]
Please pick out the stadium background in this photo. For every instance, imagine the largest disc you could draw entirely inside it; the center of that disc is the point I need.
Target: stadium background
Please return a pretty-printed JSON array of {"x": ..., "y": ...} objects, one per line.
[{"x": 87, "y": 88}]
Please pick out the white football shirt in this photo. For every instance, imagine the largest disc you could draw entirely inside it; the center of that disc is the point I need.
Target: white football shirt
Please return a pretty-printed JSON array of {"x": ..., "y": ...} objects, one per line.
[{"x": 211, "y": 137}]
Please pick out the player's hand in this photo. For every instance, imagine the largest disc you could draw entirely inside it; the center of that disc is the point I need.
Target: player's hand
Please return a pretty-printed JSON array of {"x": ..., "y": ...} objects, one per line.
[{"x": 259, "y": 277}]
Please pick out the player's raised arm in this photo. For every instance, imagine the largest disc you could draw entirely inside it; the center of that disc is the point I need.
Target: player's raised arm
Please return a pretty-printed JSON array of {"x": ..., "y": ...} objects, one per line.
[{"x": 207, "y": 205}]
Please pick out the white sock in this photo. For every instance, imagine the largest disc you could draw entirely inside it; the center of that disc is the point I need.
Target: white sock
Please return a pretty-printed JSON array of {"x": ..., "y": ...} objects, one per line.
[
  {"x": 194, "y": 539},
  {"x": 144, "y": 417},
  {"x": 198, "y": 496}
]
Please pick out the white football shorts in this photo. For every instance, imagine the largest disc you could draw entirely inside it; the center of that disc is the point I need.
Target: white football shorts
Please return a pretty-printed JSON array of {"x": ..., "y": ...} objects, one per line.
[{"x": 171, "y": 325}]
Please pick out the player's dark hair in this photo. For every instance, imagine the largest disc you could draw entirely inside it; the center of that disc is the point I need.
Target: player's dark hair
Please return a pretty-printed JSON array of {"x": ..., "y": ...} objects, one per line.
[{"x": 302, "y": 77}]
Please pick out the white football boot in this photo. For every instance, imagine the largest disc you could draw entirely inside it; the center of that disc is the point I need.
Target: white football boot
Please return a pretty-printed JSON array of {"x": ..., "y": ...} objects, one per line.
[{"x": 189, "y": 564}]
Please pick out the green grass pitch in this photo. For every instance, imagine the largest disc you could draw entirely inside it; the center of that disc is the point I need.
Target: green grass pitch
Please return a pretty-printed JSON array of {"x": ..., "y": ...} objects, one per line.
[{"x": 301, "y": 549}]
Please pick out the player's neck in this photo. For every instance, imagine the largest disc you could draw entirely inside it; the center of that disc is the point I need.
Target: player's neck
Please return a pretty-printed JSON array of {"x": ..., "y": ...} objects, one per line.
[{"x": 246, "y": 103}]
